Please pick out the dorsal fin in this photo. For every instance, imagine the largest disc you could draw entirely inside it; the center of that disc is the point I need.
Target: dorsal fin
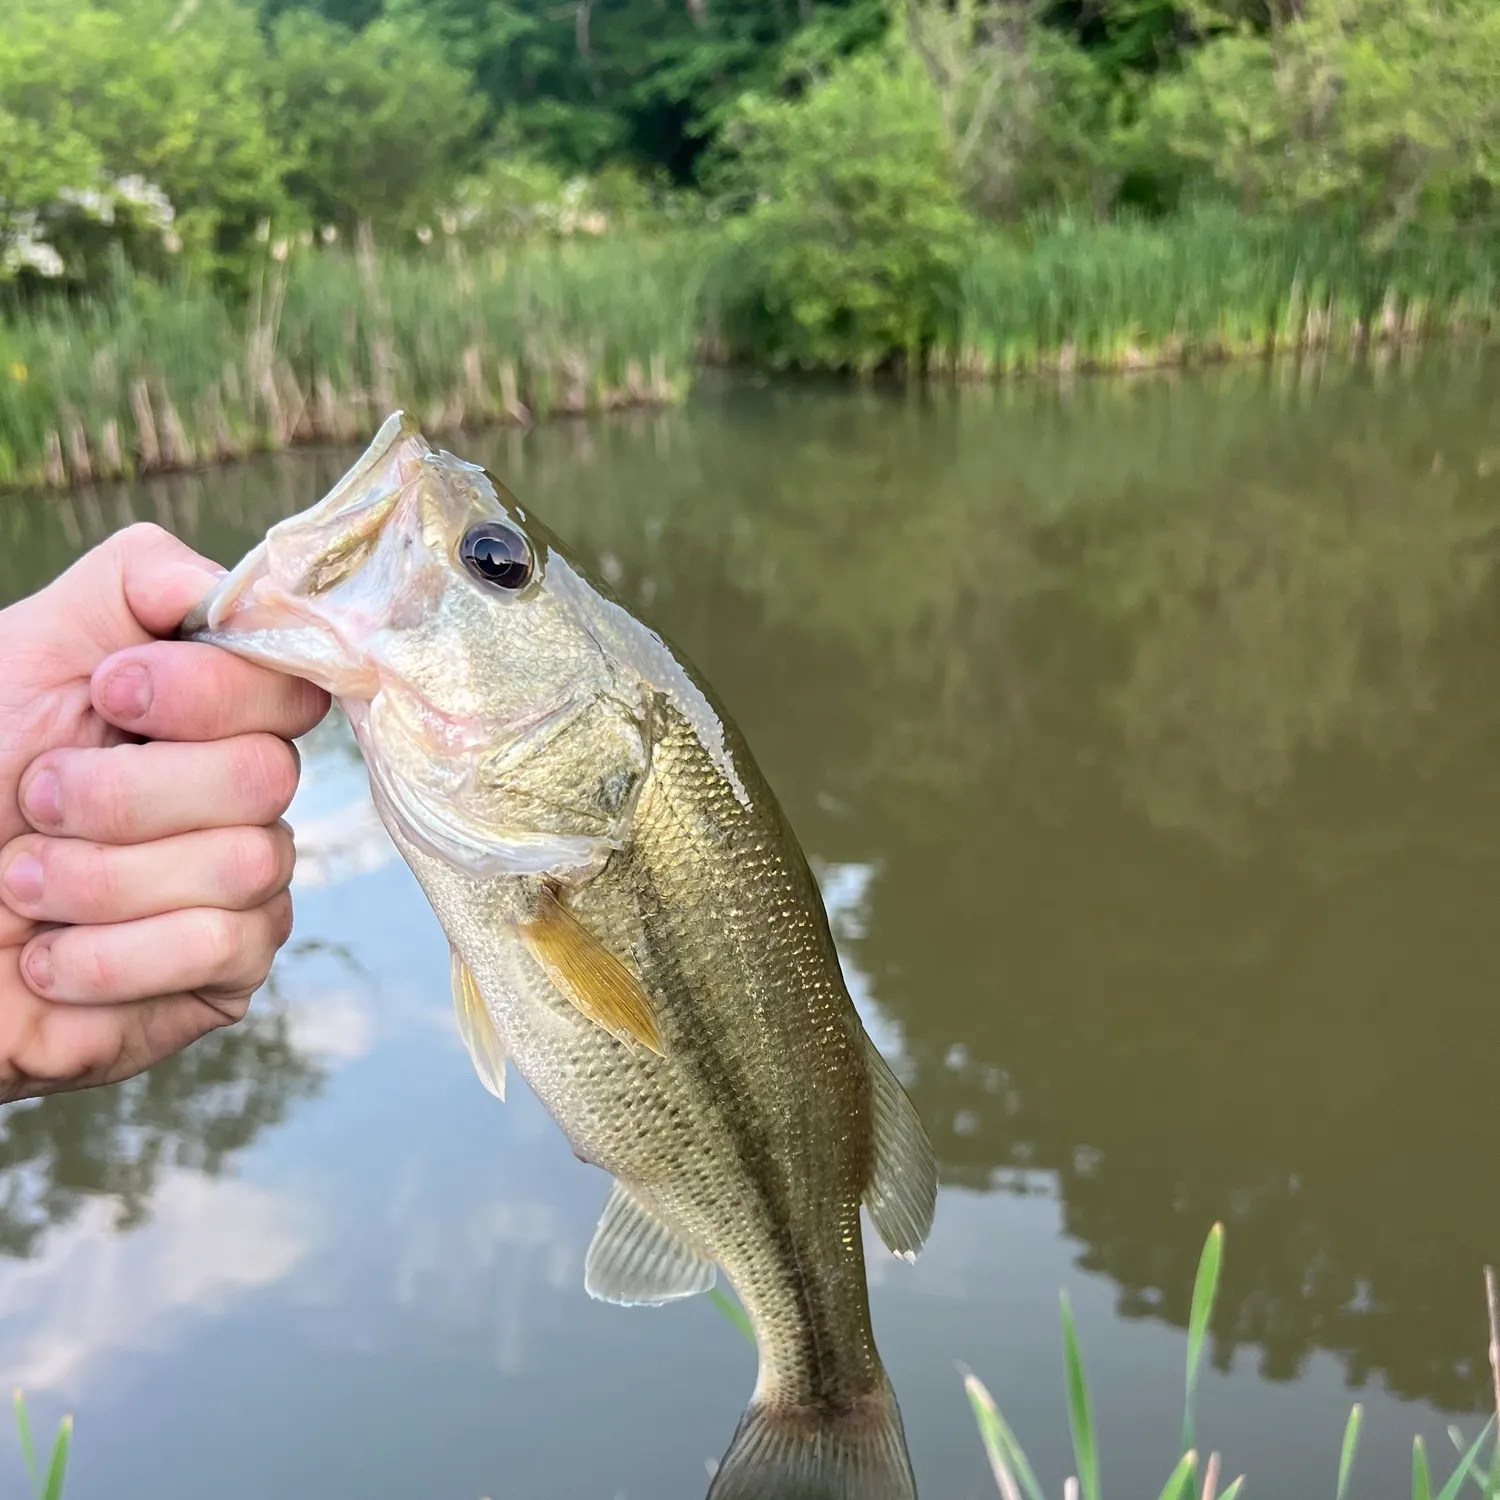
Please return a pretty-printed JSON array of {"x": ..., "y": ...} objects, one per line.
[{"x": 902, "y": 1192}]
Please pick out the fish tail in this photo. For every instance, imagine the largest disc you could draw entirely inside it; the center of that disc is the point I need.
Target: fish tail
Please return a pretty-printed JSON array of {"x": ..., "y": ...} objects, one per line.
[{"x": 786, "y": 1452}]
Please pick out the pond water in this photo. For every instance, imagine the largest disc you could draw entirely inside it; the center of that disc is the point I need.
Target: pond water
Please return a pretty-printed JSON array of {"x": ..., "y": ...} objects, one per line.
[{"x": 1144, "y": 735}]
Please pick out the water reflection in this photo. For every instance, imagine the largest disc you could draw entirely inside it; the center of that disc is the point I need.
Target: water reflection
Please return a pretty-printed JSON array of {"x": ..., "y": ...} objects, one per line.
[
  {"x": 116, "y": 1146},
  {"x": 1155, "y": 708},
  {"x": 98, "y": 1291},
  {"x": 1140, "y": 734}
]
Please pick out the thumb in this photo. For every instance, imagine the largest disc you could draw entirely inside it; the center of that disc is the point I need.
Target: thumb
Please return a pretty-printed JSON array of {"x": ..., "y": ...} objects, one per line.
[{"x": 134, "y": 587}]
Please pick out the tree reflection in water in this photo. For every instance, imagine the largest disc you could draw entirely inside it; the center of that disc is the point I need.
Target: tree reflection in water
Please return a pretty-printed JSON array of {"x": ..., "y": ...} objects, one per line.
[{"x": 195, "y": 1111}]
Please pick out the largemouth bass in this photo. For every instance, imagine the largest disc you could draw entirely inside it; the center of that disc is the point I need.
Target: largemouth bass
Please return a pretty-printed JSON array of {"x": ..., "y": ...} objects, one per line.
[{"x": 632, "y": 923}]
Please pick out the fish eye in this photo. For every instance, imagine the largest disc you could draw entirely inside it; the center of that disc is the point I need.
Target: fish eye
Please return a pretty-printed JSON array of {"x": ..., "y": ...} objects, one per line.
[{"x": 496, "y": 554}]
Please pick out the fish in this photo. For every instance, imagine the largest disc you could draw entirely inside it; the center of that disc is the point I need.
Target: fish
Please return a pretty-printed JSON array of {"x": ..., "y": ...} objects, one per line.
[{"x": 632, "y": 922}]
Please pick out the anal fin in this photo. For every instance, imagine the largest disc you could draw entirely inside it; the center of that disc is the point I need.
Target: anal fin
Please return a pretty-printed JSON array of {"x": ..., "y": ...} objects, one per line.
[
  {"x": 901, "y": 1195},
  {"x": 480, "y": 1033},
  {"x": 634, "y": 1258}
]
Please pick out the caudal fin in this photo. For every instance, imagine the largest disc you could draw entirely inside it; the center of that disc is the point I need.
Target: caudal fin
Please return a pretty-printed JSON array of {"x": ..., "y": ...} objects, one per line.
[{"x": 800, "y": 1453}]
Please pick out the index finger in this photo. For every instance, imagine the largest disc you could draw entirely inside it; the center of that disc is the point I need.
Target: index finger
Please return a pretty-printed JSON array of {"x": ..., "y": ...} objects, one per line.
[{"x": 185, "y": 690}]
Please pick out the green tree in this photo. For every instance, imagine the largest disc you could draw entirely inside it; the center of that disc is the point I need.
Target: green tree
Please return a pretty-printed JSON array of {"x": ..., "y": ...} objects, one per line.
[
  {"x": 1388, "y": 110},
  {"x": 161, "y": 90},
  {"x": 1025, "y": 108},
  {"x": 849, "y": 250},
  {"x": 647, "y": 82},
  {"x": 377, "y": 125}
]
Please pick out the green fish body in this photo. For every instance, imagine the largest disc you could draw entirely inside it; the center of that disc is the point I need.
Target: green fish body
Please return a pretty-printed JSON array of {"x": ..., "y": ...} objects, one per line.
[{"x": 633, "y": 925}]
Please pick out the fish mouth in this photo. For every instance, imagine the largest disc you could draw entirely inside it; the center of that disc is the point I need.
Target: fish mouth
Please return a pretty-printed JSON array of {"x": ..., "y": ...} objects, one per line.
[
  {"x": 273, "y": 607},
  {"x": 252, "y": 615}
]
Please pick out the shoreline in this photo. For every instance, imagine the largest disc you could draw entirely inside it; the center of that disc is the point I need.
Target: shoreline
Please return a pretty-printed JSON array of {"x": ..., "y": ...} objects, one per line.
[
  {"x": 71, "y": 467},
  {"x": 72, "y": 470}
]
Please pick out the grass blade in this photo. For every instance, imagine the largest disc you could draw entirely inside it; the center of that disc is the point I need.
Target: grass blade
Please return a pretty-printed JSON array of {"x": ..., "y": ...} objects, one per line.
[
  {"x": 23, "y": 1428},
  {"x": 986, "y": 1418},
  {"x": 999, "y": 1441},
  {"x": 734, "y": 1312},
  {"x": 1080, "y": 1410},
  {"x": 1205, "y": 1290},
  {"x": 1180, "y": 1485},
  {"x": 1421, "y": 1478},
  {"x": 1477, "y": 1473},
  {"x": 1233, "y": 1492},
  {"x": 1211, "y": 1478},
  {"x": 1456, "y": 1480},
  {"x": 1351, "y": 1443},
  {"x": 1492, "y": 1299},
  {"x": 58, "y": 1468}
]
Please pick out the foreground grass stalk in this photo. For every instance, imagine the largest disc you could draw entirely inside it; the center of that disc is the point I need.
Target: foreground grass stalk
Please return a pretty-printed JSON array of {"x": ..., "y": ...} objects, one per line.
[
  {"x": 1080, "y": 1407},
  {"x": 1205, "y": 1291},
  {"x": 1492, "y": 1300},
  {"x": 1014, "y": 1476},
  {"x": 48, "y": 1484},
  {"x": 1346, "y": 1453}
]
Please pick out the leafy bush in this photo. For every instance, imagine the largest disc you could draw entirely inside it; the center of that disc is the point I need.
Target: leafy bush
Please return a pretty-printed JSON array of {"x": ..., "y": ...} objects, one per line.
[
  {"x": 849, "y": 249},
  {"x": 1026, "y": 109},
  {"x": 375, "y": 125},
  {"x": 1385, "y": 110}
]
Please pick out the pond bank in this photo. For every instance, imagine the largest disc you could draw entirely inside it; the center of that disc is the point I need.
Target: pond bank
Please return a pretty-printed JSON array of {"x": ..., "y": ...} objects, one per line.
[
  {"x": 150, "y": 379},
  {"x": 153, "y": 379}
]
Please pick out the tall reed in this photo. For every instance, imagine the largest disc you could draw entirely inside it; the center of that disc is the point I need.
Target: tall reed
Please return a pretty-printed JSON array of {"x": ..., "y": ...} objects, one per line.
[
  {"x": 329, "y": 340},
  {"x": 1207, "y": 285},
  {"x": 149, "y": 377}
]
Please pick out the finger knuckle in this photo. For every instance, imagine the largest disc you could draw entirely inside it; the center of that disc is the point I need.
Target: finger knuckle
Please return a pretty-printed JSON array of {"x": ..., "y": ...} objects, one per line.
[
  {"x": 230, "y": 1010},
  {"x": 279, "y": 915},
  {"x": 266, "y": 773},
  {"x": 85, "y": 963},
  {"x": 256, "y": 865},
  {"x": 221, "y": 940},
  {"x": 138, "y": 537},
  {"x": 100, "y": 789},
  {"x": 84, "y": 875}
]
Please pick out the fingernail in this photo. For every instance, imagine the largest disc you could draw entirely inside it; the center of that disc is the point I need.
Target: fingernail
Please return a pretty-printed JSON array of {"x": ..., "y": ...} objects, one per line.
[
  {"x": 210, "y": 571},
  {"x": 126, "y": 694},
  {"x": 42, "y": 803},
  {"x": 23, "y": 878},
  {"x": 38, "y": 965}
]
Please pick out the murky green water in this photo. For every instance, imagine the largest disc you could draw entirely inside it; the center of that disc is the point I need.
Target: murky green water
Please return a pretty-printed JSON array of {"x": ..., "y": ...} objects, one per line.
[{"x": 1146, "y": 738}]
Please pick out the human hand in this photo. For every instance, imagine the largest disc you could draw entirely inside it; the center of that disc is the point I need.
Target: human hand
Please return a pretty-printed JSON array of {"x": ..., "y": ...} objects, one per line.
[{"x": 143, "y": 886}]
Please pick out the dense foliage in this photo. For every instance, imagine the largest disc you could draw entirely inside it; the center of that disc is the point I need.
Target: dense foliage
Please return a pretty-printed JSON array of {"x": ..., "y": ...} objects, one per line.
[
  {"x": 852, "y": 152},
  {"x": 853, "y": 231}
]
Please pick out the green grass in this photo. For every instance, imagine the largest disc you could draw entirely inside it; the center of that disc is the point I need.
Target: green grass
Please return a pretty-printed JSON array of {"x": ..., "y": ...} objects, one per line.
[
  {"x": 1192, "y": 1478},
  {"x": 46, "y": 1483},
  {"x": 1209, "y": 285},
  {"x": 329, "y": 341}
]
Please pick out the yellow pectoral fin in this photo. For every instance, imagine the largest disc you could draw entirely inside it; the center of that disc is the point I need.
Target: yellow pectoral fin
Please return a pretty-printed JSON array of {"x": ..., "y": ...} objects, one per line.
[{"x": 589, "y": 976}]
